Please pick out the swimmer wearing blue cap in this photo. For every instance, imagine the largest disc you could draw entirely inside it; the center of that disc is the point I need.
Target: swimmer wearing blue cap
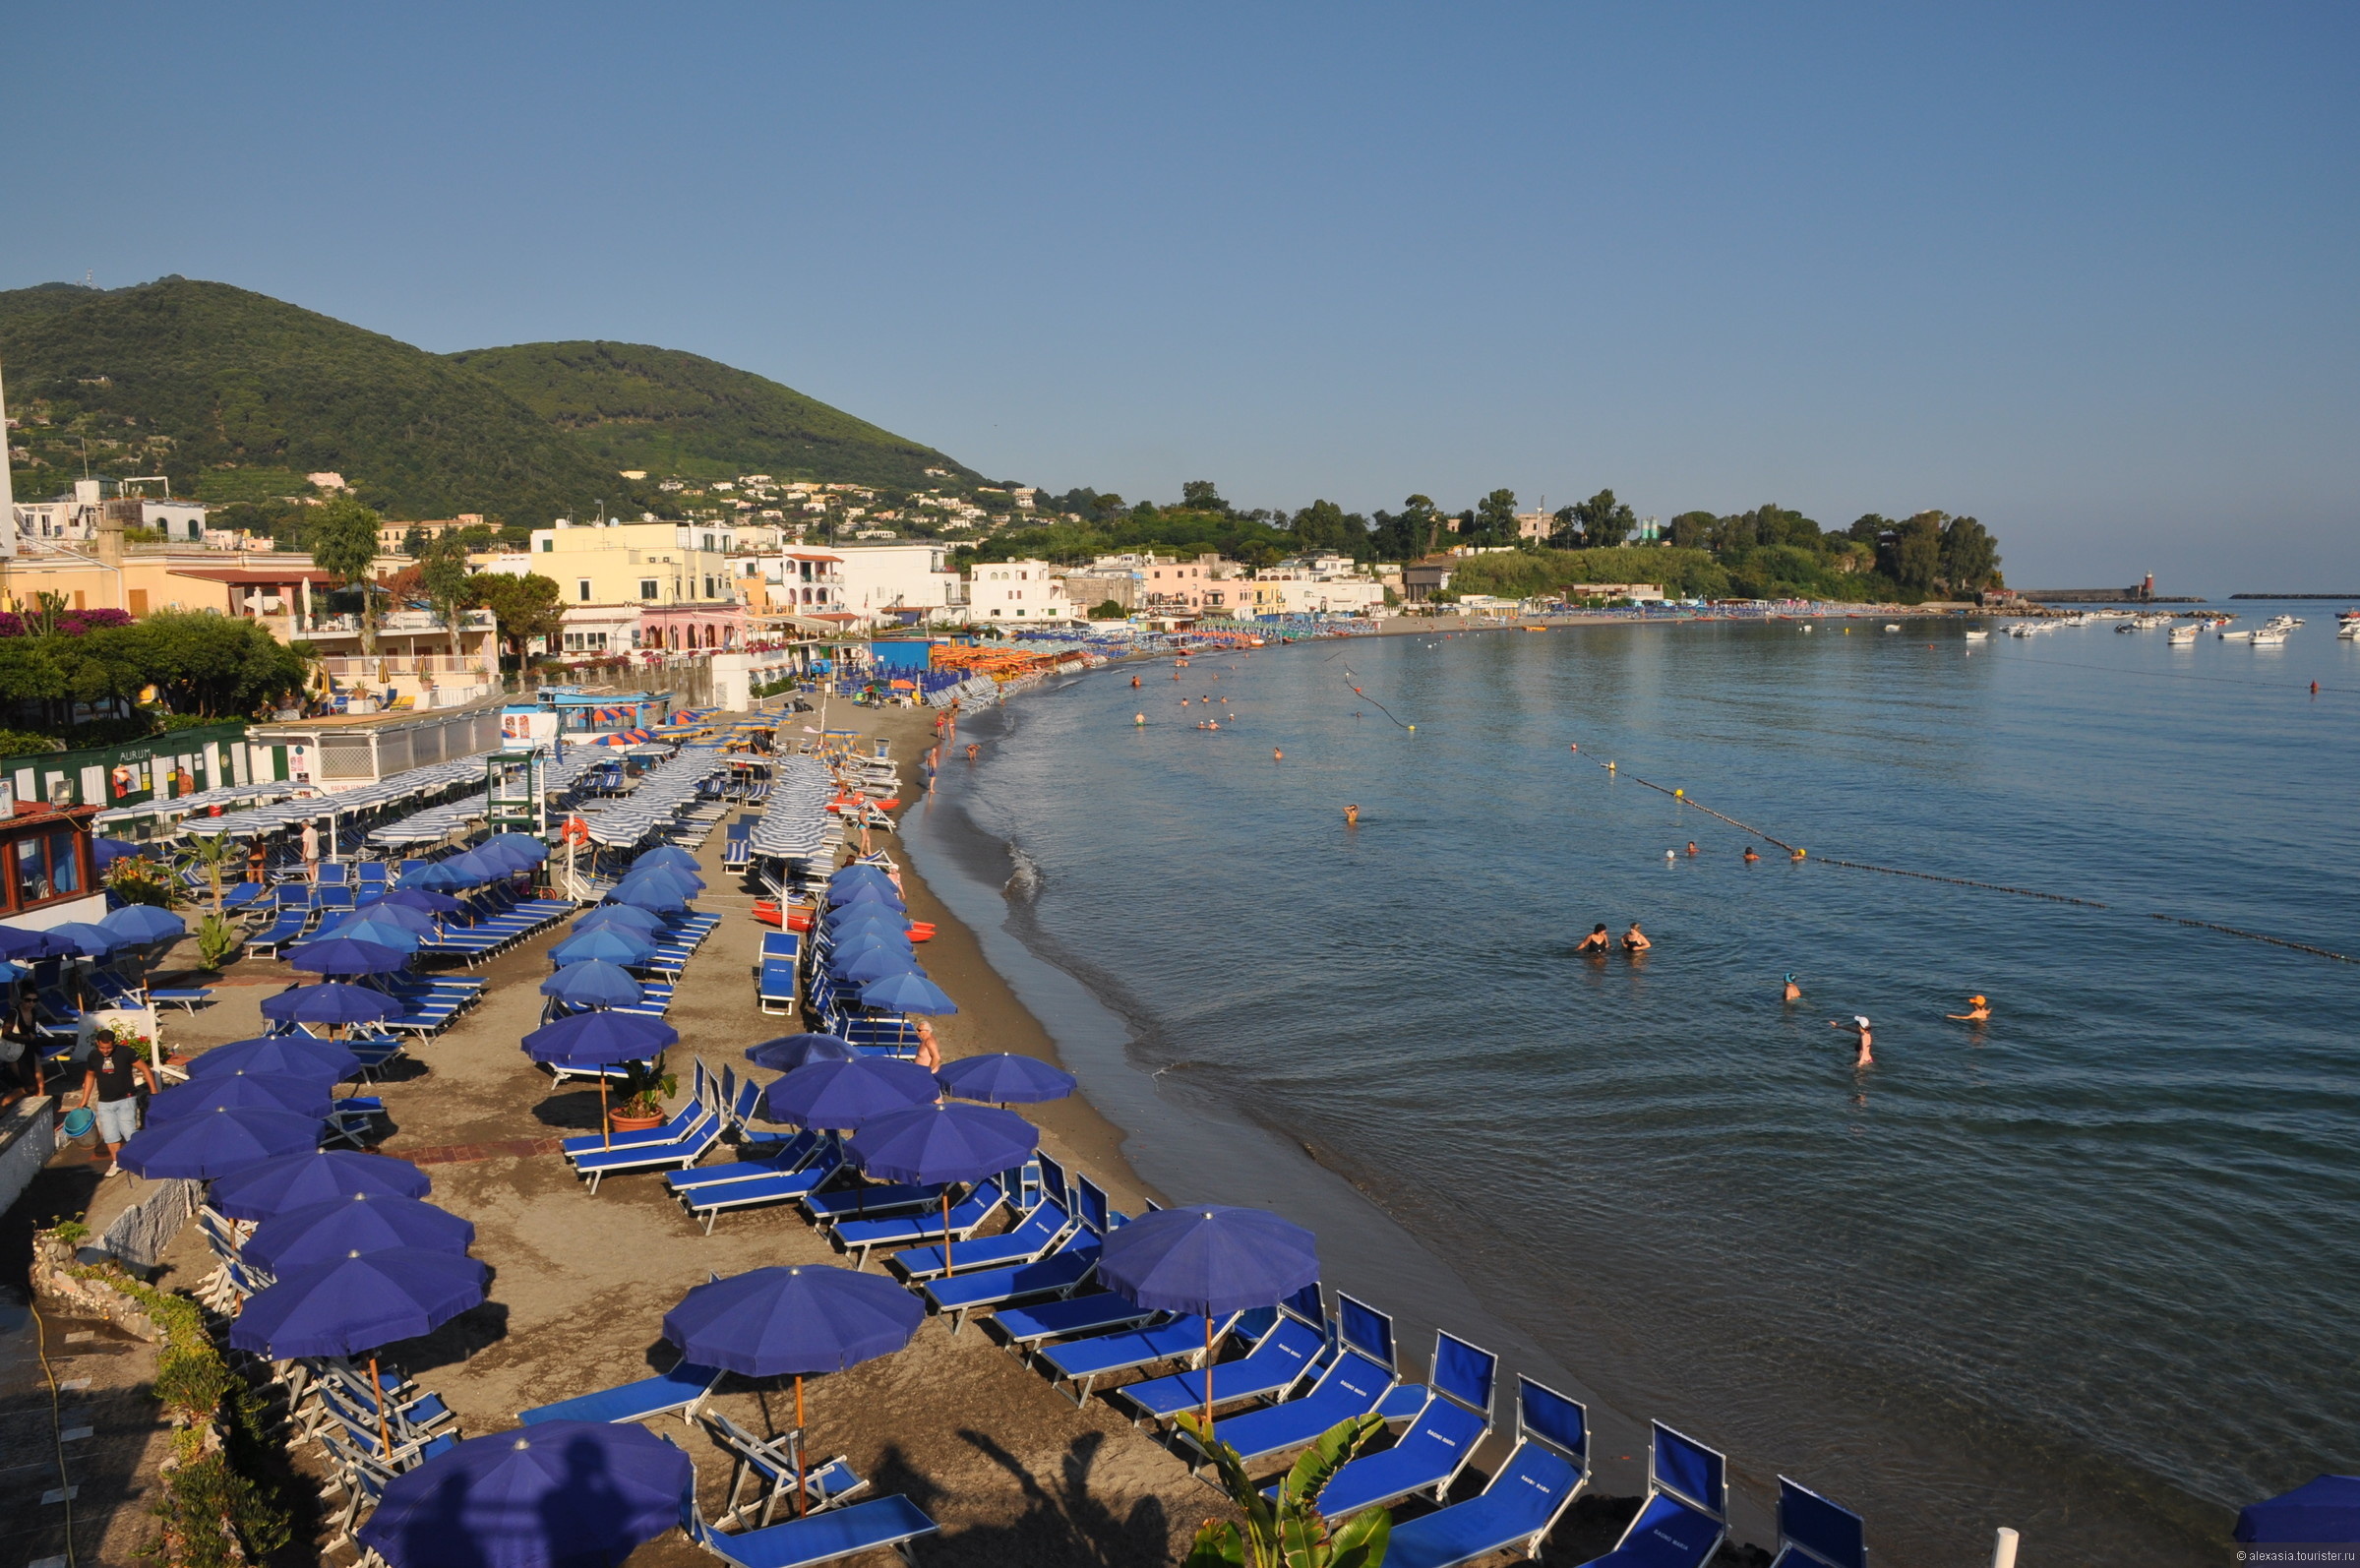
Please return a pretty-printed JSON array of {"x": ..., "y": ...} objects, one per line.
[{"x": 1794, "y": 993}]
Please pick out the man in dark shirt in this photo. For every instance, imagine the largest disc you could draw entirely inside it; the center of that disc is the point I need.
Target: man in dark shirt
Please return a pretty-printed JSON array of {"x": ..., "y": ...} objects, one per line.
[{"x": 110, "y": 1087}]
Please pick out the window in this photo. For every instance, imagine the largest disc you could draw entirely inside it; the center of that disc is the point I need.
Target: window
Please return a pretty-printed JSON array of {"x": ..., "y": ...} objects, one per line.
[
  {"x": 47, "y": 867},
  {"x": 647, "y": 588},
  {"x": 581, "y": 589},
  {"x": 708, "y": 541},
  {"x": 548, "y": 546}
]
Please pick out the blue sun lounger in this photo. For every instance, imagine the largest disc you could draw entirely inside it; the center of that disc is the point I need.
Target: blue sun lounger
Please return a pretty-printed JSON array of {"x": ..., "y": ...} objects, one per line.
[
  {"x": 1288, "y": 1342},
  {"x": 1814, "y": 1532},
  {"x": 1526, "y": 1496},
  {"x": 825, "y": 1538},
  {"x": 1438, "y": 1444},
  {"x": 1355, "y": 1384},
  {"x": 773, "y": 1159},
  {"x": 680, "y": 1154},
  {"x": 682, "y": 1389},
  {"x": 709, "y": 1203},
  {"x": 1081, "y": 1363},
  {"x": 1028, "y": 1239},
  {"x": 1025, "y": 1329},
  {"x": 1686, "y": 1513},
  {"x": 871, "y": 1200},
  {"x": 962, "y": 1296},
  {"x": 860, "y": 1237}
]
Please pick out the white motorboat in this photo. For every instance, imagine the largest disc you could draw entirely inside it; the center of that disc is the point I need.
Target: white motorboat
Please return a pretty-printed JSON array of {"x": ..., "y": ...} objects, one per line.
[
  {"x": 1978, "y": 635},
  {"x": 2233, "y": 635},
  {"x": 2268, "y": 637},
  {"x": 2183, "y": 637},
  {"x": 1891, "y": 627}
]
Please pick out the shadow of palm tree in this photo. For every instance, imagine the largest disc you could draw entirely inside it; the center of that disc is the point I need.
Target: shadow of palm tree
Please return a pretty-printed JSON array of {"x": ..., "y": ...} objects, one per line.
[{"x": 1062, "y": 1526}]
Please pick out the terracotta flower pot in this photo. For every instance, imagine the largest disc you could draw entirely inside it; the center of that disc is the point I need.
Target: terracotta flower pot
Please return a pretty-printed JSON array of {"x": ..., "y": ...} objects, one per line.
[{"x": 623, "y": 1123}]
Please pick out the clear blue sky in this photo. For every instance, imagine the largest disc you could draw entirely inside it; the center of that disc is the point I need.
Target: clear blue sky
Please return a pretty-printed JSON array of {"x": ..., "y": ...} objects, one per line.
[{"x": 2087, "y": 272}]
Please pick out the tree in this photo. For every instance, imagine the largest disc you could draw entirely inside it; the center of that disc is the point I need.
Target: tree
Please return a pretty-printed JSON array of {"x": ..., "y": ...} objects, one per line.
[
  {"x": 413, "y": 541},
  {"x": 1108, "y": 610},
  {"x": 443, "y": 577},
  {"x": 1911, "y": 553},
  {"x": 524, "y": 607},
  {"x": 1692, "y": 530},
  {"x": 1969, "y": 556},
  {"x": 1290, "y": 1532},
  {"x": 1200, "y": 495},
  {"x": 1324, "y": 526},
  {"x": 1494, "y": 519},
  {"x": 1605, "y": 522},
  {"x": 1105, "y": 506},
  {"x": 341, "y": 535},
  {"x": 1409, "y": 535}
]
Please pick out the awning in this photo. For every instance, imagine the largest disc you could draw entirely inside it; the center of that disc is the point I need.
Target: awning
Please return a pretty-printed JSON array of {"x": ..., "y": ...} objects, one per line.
[{"x": 258, "y": 576}]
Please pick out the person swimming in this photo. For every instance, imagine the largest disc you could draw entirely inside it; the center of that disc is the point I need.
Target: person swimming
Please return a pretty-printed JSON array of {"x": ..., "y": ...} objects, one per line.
[
  {"x": 1978, "y": 1010},
  {"x": 1692, "y": 846},
  {"x": 1750, "y": 856},
  {"x": 1860, "y": 1026},
  {"x": 1793, "y": 992},
  {"x": 1597, "y": 942},
  {"x": 1635, "y": 941}
]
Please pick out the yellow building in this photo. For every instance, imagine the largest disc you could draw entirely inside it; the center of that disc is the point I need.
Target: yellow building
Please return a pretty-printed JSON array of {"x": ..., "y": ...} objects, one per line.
[{"x": 639, "y": 584}]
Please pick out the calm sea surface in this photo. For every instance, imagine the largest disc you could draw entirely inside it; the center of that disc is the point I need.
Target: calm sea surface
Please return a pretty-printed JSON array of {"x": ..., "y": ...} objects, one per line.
[{"x": 2092, "y": 1270}]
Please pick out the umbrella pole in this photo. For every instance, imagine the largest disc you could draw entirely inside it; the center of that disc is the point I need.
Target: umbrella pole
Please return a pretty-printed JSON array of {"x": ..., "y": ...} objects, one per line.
[
  {"x": 606, "y": 1128},
  {"x": 1208, "y": 1385},
  {"x": 376, "y": 1386},
  {"x": 948, "y": 1269},
  {"x": 801, "y": 1504}
]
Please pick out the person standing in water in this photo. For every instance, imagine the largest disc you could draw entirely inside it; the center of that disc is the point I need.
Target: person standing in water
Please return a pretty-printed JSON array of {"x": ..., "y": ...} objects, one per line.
[
  {"x": 1978, "y": 1010},
  {"x": 1597, "y": 942},
  {"x": 1793, "y": 992},
  {"x": 1858, "y": 1025},
  {"x": 1750, "y": 856},
  {"x": 1635, "y": 941},
  {"x": 1352, "y": 816}
]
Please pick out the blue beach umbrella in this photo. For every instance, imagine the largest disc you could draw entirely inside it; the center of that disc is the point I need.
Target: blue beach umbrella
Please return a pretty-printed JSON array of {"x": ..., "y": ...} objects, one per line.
[
  {"x": 385, "y": 930},
  {"x": 793, "y": 1320},
  {"x": 521, "y": 848},
  {"x": 142, "y": 924},
  {"x": 872, "y": 964},
  {"x": 623, "y": 915},
  {"x": 607, "y": 943},
  {"x": 343, "y": 955},
  {"x": 848, "y": 1094},
  {"x": 1210, "y": 1259},
  {"x": 557, "y": 1494},
  {"x": 944, "y": 1142},
  {"x": 592, "y": 983},
  {"x": 442, "y": 876},
  {"x": 355, "y": 1223},
  {"x": 385, "y": 911},
  {"x": 217, "y": 1143},
  {"x": 297, "y": 1056},
  {"x": 356, "y": 1306},
  {"x": 15, "y": 942},
  {"x": 106, "y": 851},
  {"x": 600, "y": 1040},
  {"x": 906, "y": 992},
  {"x": 1004, "y": 1078},
  {"x": 88, "y": 940},
  {"x": 330, "y": 1002},
  {"x": 423, "y": 899},
  {"x": 2322, "y": 1510},
  {"x": 650, "y": 897},
  {"x": 295, "y": 1181},
  {"x": 860, "y": 870},
  {"x": 241, "y": 1091},
  {"x": 789, "y": 1051},
  {"x": 668, "y": 877},
  {"x": 864, "y": 895},
  {"x": 668, "y": 855}
]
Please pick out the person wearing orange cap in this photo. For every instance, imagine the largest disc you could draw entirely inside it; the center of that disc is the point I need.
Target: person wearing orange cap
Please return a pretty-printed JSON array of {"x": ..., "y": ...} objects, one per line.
[{"x": 1978, "y": 1010}]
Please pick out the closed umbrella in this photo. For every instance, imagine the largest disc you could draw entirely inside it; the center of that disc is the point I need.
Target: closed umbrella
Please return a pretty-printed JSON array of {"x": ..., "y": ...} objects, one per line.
[
  {"x": 606, "y": 944},
  {"x": 1004, "y": 1078},
  {"x": 294, "y": 1181},
  {"x": 340, "y": 955},
  {"x": 352, "y": 1224},
  {"x": 359, "y": 1304},
  {"x": 1210, "y": 1259},
  {"x": 592, "y": 983},
  {"x": 299, "y": 1056},
  {"x": 330, "y": 1002},
  {"x": 241, "y": 1091},
  {"x": 789, "y": 1051},
  {"x": 779, "y": 1321},
  {"x": 906, "y": 992},
  {"x": 218, "y": 1143},
  {"x": 556, "y": 1494},
  {"x": 944, "y": 1142},
  {"x": 848, "y": 1094},
  {"x": 142, "y": 923}
]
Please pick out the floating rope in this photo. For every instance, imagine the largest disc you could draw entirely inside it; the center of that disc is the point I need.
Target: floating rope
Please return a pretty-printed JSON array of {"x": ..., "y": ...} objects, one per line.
[
  {"x": 1681, "y": 796},
  {"x": 1372, "y": 702}
]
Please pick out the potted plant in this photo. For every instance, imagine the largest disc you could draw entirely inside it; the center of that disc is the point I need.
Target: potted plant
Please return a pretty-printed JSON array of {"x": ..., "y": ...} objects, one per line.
[{"x": 645, "y": 1087}]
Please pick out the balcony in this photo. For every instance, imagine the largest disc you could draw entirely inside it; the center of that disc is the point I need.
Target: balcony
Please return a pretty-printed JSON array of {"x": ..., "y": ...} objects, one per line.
[{"x": 384, "y": 666}]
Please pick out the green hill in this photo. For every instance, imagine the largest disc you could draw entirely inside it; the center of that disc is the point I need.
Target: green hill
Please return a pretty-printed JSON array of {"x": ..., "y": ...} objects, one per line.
[
  {"x": 671, "y": 413},
  {"x": 236, "y": 396}
]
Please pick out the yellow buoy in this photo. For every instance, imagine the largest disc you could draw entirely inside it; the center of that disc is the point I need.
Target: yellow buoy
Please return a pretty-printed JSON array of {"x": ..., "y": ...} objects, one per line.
[{"x": 1679, "y": 794}]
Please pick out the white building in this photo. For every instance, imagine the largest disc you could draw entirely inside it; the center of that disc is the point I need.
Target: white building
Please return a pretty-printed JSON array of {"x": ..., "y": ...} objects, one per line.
[
  {"x": 885, "y": 584},
  {"x": 1003, "y": 591},
  {"x": 74, "y": 519}
]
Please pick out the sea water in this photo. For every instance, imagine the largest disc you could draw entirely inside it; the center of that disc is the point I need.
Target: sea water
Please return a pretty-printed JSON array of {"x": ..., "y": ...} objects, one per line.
[{"x": 2089, "y": 1269}]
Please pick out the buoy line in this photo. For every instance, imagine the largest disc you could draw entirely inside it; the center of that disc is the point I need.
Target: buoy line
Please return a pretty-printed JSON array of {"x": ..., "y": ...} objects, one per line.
[{"x": 1682, "y": 796}]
